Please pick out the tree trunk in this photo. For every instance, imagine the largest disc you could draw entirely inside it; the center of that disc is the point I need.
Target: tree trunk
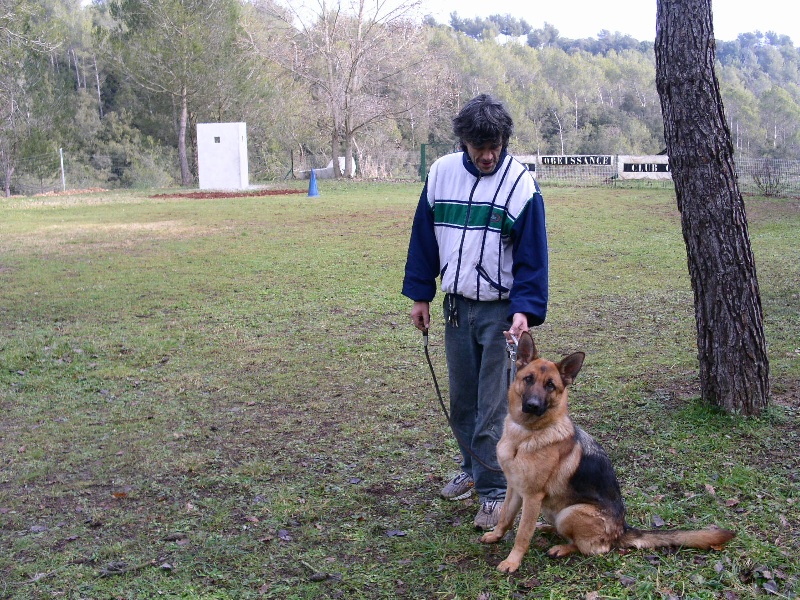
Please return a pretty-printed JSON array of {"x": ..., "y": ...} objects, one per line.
[
  {"x": 560, "y": 131},
  {"x": 734, "y": 368},
  {"x": 9, "y": 174},
  {"x": 335, "y": 152},
  {"x": 186, "y": 176},
  {"x": 348, "y": 155},
  {"x": 97, "y": 81}
]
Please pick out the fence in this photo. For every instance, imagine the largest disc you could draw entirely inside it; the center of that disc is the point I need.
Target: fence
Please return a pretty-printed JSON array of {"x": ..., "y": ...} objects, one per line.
[
  {"x": 56, "y": 172},
  {"x": 760, "y": 176},
  {"x": 594, "y": 170},
  {"x": 36, "y": 174},
  {"x": 767, "y": 176},
  {"x": 383, "y": 163}
]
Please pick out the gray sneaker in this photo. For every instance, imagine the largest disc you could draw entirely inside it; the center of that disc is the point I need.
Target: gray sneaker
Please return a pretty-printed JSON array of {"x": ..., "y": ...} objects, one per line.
[
  {"x": 489, "y": 514},
  {"x": 458, "y": 488}
]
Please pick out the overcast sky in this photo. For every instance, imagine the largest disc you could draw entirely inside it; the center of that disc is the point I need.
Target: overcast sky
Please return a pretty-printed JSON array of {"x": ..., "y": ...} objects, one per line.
[{"x": 586, "y": 18}]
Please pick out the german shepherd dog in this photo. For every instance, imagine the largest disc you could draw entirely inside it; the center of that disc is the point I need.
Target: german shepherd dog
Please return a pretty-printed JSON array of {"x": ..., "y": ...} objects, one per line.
[{"x": 555, "y": 468}]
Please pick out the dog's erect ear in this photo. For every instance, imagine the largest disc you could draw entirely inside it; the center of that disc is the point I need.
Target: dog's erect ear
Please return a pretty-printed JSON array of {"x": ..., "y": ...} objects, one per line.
[
  {"x": 570, "y": 366},
  {"x": 526, "y": 350}
]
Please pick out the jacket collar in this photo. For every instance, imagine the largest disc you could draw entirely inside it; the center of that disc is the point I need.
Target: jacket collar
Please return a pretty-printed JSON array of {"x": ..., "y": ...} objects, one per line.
[{"x": 470, "y": 166}]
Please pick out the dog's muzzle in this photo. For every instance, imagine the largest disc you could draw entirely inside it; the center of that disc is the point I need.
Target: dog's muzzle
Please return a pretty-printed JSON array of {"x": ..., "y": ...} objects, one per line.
[{"x": 534, "y": 405}]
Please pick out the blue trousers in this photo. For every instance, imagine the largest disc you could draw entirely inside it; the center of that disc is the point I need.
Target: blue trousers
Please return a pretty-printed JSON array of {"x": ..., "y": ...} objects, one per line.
[{"x": 476, "y": 362}]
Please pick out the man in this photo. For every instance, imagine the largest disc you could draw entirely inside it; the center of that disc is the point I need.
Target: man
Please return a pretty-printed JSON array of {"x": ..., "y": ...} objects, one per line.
[{"x": 480, "y": 227}]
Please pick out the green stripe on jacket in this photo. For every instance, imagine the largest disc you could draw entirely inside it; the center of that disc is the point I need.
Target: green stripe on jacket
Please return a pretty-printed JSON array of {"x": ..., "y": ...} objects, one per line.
[{"x": 454, "y": 214}]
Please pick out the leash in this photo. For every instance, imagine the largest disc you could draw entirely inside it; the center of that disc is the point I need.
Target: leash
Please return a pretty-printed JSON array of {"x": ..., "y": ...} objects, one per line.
[{"x": 511, "y": 349}]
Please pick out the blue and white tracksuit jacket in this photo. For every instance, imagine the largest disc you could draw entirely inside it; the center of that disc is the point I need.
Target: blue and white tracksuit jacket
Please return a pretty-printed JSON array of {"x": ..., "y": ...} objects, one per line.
[{"x": 484, "y": 235}]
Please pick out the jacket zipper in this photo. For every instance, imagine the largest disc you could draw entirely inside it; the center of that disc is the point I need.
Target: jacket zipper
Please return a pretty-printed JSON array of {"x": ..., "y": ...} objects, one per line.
[{"x": 464, "y": 235}]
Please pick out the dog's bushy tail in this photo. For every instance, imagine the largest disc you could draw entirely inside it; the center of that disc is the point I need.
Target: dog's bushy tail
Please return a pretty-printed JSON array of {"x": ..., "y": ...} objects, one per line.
[{"x": 704, "y": 539}]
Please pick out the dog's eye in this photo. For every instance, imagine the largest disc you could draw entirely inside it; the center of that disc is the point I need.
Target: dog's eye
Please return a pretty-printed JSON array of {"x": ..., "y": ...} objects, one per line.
[
  {"x": 550, "y": 386},
  {"x": 528, "y": 379}
]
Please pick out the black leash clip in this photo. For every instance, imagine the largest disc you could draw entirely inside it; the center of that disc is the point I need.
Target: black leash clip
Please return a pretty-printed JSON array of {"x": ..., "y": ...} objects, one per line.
[{"x": 452, "y": 311}]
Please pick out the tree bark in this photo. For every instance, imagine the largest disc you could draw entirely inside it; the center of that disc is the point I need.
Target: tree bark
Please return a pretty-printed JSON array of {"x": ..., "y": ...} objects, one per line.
[
  {"x": 9, "y": 174},
  {"x": 186, "y": 176},
  {"x": 348, "y": 155},
  {"x": 734, "y": 368},
  {"x": 336, "y": 150},
  {"x": 97, "y": 82}
]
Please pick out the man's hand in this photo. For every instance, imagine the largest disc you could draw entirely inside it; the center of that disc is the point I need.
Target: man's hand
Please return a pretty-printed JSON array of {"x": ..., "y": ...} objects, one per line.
[
  {"x": 421, "y": 315},
  {"x": 519, "y": 324}
]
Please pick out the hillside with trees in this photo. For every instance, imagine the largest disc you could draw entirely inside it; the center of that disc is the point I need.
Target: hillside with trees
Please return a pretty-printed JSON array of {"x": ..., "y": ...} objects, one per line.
[{"x": 120, "y": 86}]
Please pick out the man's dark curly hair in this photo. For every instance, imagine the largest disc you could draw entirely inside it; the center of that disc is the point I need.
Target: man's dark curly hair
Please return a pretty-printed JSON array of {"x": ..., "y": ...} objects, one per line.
[{"x": 483, "y": 120}]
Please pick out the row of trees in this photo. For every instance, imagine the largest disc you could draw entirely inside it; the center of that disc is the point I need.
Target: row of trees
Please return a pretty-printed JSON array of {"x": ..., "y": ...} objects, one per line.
[{"x": 121, "y": 84}]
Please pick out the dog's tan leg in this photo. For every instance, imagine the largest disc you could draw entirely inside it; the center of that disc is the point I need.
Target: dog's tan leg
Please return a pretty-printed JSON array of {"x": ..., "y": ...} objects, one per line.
[
  {"x": 511, "y": 506},
  {"x": 531, "y": 506}
]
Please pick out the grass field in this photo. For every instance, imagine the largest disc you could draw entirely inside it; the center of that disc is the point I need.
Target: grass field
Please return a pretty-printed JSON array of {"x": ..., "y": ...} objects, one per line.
[{"x": 225, "y": 399}]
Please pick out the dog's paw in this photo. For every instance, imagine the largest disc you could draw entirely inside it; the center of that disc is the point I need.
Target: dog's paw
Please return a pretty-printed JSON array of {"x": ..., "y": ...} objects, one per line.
[
  {"x": 490, "y": 538},
  {"x": 562, "y": 550},
  {"x": 508, "y": 566}
]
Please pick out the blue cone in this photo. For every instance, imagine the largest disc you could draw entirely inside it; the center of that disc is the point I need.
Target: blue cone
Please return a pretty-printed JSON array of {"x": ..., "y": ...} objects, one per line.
[{"x": 313, "y": 192}]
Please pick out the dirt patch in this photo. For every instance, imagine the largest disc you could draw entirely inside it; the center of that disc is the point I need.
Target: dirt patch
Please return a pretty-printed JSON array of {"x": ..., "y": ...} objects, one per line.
[
  {"x": 788, "y": 395},
  {"x": 212, "y": 195},
  {"x": 760, "y": 208}
]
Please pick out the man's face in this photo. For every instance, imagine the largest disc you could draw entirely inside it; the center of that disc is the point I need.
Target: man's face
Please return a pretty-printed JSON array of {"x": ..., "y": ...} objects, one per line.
[{"x": 485, "y": 157}]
